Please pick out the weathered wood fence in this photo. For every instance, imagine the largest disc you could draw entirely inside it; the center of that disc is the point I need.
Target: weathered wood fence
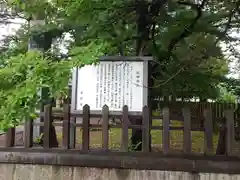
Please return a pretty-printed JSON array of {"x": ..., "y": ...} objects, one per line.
[
  {"x": 197, "y": 108},
  {"x": 67, "y": 120}
]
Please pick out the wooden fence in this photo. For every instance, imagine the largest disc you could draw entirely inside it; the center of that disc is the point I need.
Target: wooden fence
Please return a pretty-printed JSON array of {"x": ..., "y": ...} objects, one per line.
[
  {"x": 197, "y": 108},
  {"x": 67, "y": 120}
]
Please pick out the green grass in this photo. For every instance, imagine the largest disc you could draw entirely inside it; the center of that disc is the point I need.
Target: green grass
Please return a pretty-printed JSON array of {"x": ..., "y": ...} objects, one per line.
[{"x": 176, "y": 138}]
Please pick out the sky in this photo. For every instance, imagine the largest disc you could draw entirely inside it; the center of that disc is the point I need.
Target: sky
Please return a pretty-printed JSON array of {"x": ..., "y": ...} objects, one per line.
[
  {"x": 10, "y": 29},
  {"x": 234, "y": 64}
]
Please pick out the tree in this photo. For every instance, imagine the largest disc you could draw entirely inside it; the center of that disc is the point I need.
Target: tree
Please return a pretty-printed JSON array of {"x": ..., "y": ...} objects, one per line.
[
  {"x": 233, "y": 86},
  {"x": 168, "y": 30},
  {"x": 198, "y": 77},
  {"x": 226, "y": 95}
]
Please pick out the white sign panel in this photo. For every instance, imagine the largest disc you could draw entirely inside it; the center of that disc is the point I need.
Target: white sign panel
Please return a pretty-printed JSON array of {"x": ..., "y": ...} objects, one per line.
[{"x": 112, "y": 83}]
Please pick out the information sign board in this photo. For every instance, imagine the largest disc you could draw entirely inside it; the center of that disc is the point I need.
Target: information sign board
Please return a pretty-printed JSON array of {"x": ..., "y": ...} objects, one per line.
[{"x": 112, "y": 83}]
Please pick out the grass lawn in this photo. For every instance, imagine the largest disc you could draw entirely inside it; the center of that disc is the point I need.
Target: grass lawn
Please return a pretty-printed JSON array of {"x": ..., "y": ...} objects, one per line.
[{"x": 176, "y": 138}]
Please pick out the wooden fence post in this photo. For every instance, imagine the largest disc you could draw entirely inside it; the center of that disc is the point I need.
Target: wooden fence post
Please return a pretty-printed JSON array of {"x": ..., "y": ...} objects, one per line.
[
  {"x": 85, "y": 132},
  {"x": 66, "y": 126},
  {"x": 166, "y": 131},
  {"x": 10, "y": 137},
  {"x": 146, "y": 130},
  {"x": 125, "y": 124},
  {"x": 208, "y": 131},
  {"x": 187, "y": 131},
  {"x": 47, "y": 125},
  {"x": 229, "y": 114},
  {"x": 28, "y": 133},
  {"x": 105, "y": 127}
]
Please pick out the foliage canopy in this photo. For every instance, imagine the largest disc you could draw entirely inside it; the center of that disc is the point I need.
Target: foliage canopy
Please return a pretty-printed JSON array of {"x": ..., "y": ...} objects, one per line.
[{"x": 182, "y": 36}]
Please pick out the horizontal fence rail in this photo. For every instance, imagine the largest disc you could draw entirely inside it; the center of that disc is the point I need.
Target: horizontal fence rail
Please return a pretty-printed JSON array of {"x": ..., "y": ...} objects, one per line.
[
  {"x": 68, "y": 123},
  {"x": 197, "y": 108}
]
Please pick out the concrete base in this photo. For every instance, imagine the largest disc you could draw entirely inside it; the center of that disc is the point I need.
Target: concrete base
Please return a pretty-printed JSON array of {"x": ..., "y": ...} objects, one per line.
[{"x": 45, "y": 172}]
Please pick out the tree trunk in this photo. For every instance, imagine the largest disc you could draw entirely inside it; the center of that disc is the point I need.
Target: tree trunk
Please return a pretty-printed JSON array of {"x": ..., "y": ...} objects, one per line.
[
  {"x": 142, "y": 24},
  {"x": 146, "y": 13},
  {"x": 53, "y": 138}
]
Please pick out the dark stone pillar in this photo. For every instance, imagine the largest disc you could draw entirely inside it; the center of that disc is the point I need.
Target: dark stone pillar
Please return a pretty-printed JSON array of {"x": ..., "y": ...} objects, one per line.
[
  {"x": 43, "y": 42},
  {"x": 221, "y": 146}
]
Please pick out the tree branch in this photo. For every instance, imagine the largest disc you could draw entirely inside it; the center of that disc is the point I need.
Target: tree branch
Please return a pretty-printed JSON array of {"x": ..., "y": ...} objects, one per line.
[
  {"x": 154, "y": 11},
  {"x": 146, "y": 12},
  {"x": 188, "y": 30},
  {"x": 230, "y": 16}
]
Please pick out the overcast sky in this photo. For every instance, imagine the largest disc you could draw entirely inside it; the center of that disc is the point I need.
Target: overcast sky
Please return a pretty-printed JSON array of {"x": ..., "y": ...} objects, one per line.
[{"x": 12, "y": 27}]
